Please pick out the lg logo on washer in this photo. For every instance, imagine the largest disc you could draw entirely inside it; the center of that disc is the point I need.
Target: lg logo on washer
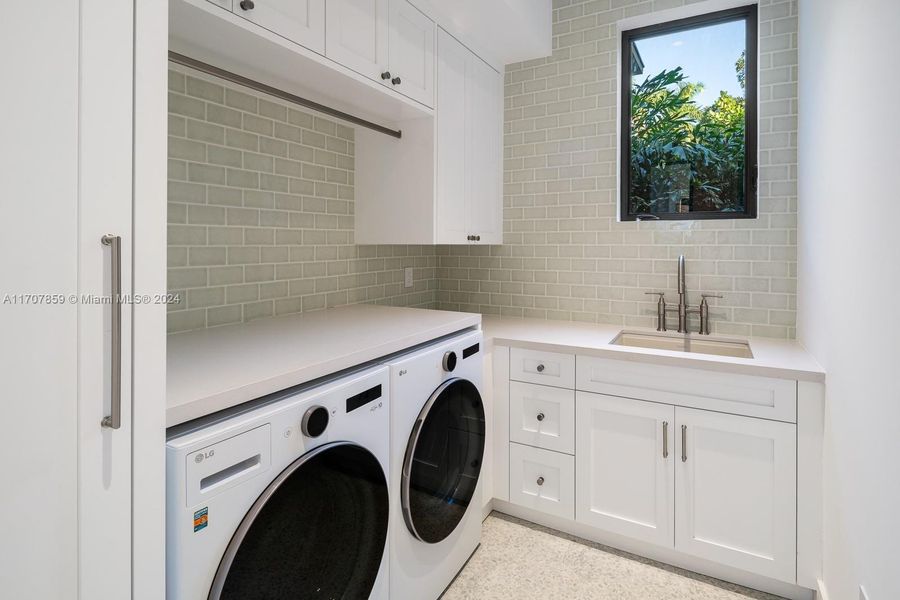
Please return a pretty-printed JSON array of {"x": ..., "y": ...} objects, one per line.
[{"x": 201, "y": 456}]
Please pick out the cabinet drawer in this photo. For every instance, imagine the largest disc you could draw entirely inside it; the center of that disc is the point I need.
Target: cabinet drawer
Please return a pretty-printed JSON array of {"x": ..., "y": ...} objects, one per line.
[
  {"x": 748, "y": 395},
  {"x": 542, "y": 416},
  {"x": 542, "y": 480},
  {"x": 545, "y": 368}
]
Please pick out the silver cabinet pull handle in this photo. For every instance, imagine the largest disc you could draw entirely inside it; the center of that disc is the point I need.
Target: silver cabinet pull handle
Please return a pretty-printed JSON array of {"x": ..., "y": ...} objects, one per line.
[
  {"x": 684, "y": 443},
  {"x": 665, "y": 439},
  {"x": 540, "y": 416},
  {"x": 540, "y": 368},
  {"x": 114, "y": 420},
  {"x": 540, "y": 481}
]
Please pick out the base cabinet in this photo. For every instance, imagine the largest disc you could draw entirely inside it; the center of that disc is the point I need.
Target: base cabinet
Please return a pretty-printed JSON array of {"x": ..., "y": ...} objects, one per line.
[
  {"x": 700, "y": 482},
  {"x": 625, "y": 467},
  {"x": 736, "y": 491},
  {"x": 542, "y": 479}
]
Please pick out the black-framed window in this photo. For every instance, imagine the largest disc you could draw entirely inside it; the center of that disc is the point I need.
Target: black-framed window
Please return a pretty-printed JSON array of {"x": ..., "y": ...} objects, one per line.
[{"x": 689, "y": 129}]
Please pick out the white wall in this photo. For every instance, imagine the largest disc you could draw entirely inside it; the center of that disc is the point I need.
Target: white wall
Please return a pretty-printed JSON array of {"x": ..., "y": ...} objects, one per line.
[{"x": 850, "y": 279}]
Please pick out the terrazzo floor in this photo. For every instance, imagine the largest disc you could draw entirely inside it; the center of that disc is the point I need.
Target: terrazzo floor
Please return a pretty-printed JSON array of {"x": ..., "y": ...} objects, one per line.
[{"x": 518, "y": 560}]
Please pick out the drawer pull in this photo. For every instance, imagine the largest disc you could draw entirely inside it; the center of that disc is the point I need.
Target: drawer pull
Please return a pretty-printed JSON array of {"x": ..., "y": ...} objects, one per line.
[
  {"x": 665, "y": 439},
  {"x": 540, "y": 416},
  {"x": 684, "y": 443},
  {"x": 540, "y": 368},
  {"x": 540, "y": 481}
]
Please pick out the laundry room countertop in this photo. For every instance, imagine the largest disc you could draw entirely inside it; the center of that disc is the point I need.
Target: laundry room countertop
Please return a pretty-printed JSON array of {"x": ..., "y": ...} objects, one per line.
[
  {"x": 213, "y": 369},
  {"x": 783, "y": 359}
]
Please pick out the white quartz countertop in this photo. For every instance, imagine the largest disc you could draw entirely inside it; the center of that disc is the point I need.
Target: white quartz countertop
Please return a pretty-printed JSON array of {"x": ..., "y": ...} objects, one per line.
[
  {"x": 782, "y": 359},
  {"x": 213, "y": 369}
]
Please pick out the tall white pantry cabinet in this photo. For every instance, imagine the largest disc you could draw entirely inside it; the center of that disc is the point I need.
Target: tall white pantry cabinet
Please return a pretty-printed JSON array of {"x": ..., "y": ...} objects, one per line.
[{"x": 89, "y": 86}]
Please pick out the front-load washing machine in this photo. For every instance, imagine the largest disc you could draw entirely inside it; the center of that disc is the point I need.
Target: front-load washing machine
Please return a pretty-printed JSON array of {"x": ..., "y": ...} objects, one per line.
[
  {"x": 288, "y": 498},
  {"x": 437, "y": 447}
]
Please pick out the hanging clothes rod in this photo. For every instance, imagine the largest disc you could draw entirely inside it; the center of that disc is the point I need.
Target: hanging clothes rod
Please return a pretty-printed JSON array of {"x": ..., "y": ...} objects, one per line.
[{"x": 209, "y": 69}]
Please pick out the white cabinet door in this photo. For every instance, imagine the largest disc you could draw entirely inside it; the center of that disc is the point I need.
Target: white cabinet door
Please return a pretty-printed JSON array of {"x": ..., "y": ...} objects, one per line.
[
  {"x": 542, "y": 480},
  {"x": 542, "y": 416},
  {"x": 412, "y": 52},
  {"x": 484, "y": 123},
  {"x": 736, "y": 491},
  {"x": 469, "y": 172},
  {"x": 357, "y": 36},
  {"x": 65, "y": 508},
  {"x": 105, "y": 207},
  {"x": 625, "y": 467},
  {"x": 301, "y": 21},
  {"x": 453, "y": 79}
]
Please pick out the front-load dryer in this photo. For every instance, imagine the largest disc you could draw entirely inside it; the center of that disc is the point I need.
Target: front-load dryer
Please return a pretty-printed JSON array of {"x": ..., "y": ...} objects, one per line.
[
  {"x": 437, "y": 448},
  {"x": 289, "y": 499}
]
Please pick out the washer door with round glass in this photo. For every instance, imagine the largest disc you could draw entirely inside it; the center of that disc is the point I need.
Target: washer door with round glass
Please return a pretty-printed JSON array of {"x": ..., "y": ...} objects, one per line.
[
  {"x": 317, "y": 531},
  {"x": 443, "y": 461}
]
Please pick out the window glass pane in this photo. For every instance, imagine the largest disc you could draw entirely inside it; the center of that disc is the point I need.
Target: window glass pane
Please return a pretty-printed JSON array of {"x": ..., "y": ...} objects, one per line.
[{"x": 687, "y": 121}]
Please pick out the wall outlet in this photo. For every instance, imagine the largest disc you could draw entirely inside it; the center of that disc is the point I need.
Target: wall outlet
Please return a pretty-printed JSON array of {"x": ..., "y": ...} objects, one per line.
[
  {"x": 862, "y": 593},
  {"x": 407, "y": 277}
]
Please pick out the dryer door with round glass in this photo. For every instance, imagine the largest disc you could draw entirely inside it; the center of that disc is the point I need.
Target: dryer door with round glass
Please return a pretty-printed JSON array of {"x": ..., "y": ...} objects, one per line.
[
  {"x": 443, "y": 461},
  {"x": 317, "y": 531}
]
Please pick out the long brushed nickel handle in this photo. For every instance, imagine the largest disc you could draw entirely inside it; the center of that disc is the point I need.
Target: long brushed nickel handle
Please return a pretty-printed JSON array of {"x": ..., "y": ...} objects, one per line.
[
  {"x": 665, "y": 439},
  {"x": 114, "y": 419},
  {"x": 684, "y": 443}
]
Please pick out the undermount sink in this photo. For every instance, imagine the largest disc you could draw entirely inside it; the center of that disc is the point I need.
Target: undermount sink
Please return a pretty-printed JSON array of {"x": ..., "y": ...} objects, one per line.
[{"x": 682, "y": 343}]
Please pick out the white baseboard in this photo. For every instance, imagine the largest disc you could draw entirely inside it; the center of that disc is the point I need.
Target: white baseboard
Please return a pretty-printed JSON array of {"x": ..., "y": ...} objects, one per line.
[
  {"x": 487, "y": 509},
  {"x": 658, "y": 553}
]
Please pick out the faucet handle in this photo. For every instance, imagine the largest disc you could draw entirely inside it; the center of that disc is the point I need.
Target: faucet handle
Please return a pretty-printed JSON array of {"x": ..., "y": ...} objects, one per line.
[
  {"x": 660, "y": 310},
  {"x": 704, "y": 312}
]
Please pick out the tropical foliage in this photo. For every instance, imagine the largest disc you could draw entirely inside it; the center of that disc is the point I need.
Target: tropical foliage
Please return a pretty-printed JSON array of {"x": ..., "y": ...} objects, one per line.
[{"x": 684, "y": 154}]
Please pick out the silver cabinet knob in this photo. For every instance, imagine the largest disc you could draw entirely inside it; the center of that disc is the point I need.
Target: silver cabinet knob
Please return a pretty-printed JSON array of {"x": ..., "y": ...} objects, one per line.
[
  {"x": 246, "y": 5},
  {"x": 540, "y": 368},
  {"x": 540, "y": 416},
  {"x": 540, "y": 481}
]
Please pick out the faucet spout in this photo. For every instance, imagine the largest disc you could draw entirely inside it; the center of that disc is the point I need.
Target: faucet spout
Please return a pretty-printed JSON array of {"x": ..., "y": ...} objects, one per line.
[{"x": 681, "y": 286}]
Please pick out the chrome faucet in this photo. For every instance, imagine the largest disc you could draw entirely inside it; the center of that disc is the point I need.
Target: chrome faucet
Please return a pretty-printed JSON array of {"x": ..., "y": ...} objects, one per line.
[{"x": 683, "y": 308}]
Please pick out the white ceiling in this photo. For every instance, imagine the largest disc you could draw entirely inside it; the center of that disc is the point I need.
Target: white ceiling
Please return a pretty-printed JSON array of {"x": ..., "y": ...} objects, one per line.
[{"x": 507, "y": 31}]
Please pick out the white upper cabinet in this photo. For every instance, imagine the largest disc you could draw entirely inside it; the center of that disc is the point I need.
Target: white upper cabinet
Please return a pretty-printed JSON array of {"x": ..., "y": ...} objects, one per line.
[
  {"x": 485, "y": 172},
  {"x": 301, "y": 21},
  {"x": 388, "y": 41},
  {"x": 469, "y": 115},
  {"x": 440, "y": 183},
  {"x": 454, "y": 76},
  {"x": 733, "y": 466},
  {"x": 412, "y": 52},
  {"x": 357, "y": 36}
]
